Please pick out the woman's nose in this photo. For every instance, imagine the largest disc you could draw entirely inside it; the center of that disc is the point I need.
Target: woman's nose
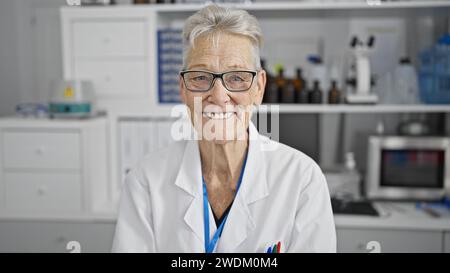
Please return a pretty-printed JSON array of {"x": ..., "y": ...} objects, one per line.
[{"x": 219, "y": 94}]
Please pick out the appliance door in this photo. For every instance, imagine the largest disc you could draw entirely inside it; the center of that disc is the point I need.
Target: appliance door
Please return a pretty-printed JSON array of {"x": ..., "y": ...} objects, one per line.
[{"x": 408, "y": 167}]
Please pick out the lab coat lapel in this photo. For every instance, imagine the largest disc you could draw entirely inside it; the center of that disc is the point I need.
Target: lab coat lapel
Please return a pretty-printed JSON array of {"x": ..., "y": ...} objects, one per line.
[
  {"x": 189, "y": 179},
  {"x": 240, "y": 222}
]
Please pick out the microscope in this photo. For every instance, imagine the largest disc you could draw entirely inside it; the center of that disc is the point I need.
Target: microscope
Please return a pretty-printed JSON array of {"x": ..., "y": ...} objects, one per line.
[{"x": 359, "y": 86}]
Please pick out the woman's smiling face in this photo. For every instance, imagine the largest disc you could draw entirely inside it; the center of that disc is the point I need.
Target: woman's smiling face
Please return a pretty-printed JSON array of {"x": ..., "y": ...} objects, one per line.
[{"x": 218, "y": 114}]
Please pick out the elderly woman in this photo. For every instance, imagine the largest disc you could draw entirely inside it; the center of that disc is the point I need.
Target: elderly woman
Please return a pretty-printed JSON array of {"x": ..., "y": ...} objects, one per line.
[{"x": 229, "y": 190}]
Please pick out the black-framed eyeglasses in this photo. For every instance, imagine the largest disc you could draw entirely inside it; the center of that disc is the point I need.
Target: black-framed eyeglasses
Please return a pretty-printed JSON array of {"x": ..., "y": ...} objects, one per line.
[{"x": 203, "y": 81}]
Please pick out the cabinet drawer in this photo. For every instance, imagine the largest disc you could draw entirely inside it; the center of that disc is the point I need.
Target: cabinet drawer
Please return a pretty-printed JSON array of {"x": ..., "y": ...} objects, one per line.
[
  {"x": 109, "y": 38},
  {"x": 114, "y": 78},
  {"x": 43, "y": 192},
  {"x": 47, "y": 150},
  {"x": 355, "y": 240},
  {"x": 40, "y": 236}
]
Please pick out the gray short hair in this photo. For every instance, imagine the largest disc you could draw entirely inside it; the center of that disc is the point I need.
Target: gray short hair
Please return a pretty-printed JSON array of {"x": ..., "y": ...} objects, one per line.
[{"x": 214, "y": 19}]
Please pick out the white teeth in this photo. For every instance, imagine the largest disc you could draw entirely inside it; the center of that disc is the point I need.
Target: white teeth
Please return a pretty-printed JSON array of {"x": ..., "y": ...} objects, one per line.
[{"x": 218, "y": 115}]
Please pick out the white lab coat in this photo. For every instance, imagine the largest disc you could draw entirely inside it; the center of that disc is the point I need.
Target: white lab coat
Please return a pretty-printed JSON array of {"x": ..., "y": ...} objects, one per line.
[{"x": 283, "y": 197}]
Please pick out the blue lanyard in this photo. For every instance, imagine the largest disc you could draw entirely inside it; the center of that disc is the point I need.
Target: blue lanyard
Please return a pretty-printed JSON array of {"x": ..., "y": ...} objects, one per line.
[{"x": 209, "y": 246}]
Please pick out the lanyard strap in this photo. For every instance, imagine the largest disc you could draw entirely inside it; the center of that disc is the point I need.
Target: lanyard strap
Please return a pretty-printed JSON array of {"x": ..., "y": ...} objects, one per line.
[{"x": 210, "y": 245}]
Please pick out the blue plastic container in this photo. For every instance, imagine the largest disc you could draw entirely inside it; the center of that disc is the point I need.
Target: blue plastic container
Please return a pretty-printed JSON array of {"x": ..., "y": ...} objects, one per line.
[{"x": 434, "y": 73}]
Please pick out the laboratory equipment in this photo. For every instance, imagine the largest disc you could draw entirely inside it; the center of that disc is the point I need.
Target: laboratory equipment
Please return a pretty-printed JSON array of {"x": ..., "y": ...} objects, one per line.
[
  {"x": 407, "y": 167},
  {"x": 32, "y": 110},
  {"x": 72, "y": 99},
  {"x": 362, "y": 93}
]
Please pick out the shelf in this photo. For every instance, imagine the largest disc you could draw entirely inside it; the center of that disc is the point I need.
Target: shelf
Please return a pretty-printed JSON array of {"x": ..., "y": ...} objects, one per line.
[
  {"x": 165, "y": 110},
  {"x": 309, "y": 5},
  {"x": 284, "y": 6},
  {"x": 345, "y": 108}
]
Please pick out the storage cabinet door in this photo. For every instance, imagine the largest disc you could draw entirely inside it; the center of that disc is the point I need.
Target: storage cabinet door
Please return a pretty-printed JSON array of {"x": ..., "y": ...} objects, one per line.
[
  {"x": 356, "y": 240},
  {"x": 42, "y": 236}
]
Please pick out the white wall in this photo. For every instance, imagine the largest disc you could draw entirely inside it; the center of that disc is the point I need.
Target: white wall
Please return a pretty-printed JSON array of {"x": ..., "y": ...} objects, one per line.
[
  {"x": 30, "y": 51},
  {"x": 9, "y": 81}
]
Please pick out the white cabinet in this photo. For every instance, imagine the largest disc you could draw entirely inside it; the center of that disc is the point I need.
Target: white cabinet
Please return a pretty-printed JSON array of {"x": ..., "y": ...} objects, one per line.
[
  {"x": 447, "y": 242},
  {"x": 111, "y": 47},
  {"x": 356, "y": 240},
  {"x": 53, "y": 236},
  {"x": 53, "y": 167}
]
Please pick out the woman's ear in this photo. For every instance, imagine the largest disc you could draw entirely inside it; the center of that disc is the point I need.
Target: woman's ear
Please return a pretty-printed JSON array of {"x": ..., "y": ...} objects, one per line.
[{"x": 260, "y": 86}]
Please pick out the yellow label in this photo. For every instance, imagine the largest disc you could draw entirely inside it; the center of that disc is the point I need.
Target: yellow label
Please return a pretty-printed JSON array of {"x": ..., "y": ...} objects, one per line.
[{"x": 68, "y": 92}]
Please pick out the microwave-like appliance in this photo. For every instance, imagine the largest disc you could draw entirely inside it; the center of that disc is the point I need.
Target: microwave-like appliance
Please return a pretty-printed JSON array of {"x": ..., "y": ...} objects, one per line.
[{"x": 407, "y": 168}]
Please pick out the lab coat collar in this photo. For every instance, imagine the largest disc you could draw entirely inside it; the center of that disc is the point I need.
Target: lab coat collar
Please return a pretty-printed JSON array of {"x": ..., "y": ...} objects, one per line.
[{"x": 253, "y": 188}]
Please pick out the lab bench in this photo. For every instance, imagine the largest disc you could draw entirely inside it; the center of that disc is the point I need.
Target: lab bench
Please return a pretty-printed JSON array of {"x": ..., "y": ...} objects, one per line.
[{"x": 399, "y": 228}]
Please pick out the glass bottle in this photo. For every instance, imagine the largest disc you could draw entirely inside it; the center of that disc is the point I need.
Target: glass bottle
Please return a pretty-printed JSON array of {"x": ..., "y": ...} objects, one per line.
[
  {"x": 300, "y": 95},
  {"x": 334, "y": 95},
  {"x": 315, "y": 95},
  {"x": 270, "y": 90},
  {"x": 281, "y": 83}
]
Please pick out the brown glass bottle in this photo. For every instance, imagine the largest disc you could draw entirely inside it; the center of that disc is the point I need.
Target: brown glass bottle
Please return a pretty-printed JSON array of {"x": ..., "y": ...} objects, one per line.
[
  {"x": 300, "y": 95},
  {"x": 315, "y": 95},
  {"x": 289, "y": 95},
  {"x": 281, "y": 84},
  {"x": 334, "y": 95},
  {"x": 270, "y": 90}
]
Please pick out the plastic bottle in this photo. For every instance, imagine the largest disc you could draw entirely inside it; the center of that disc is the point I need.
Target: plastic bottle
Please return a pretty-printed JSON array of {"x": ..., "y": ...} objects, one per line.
[
  {"x": 405, "y": 83},
  {"x": 318, "y": 71},
  {"x": 352, "y": 185}
]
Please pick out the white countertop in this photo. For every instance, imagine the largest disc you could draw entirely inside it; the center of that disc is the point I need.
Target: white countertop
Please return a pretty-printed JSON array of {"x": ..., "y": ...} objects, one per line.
[
  {"x": 399, "y": 216},
  {"x": 395, "y": 215}
]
